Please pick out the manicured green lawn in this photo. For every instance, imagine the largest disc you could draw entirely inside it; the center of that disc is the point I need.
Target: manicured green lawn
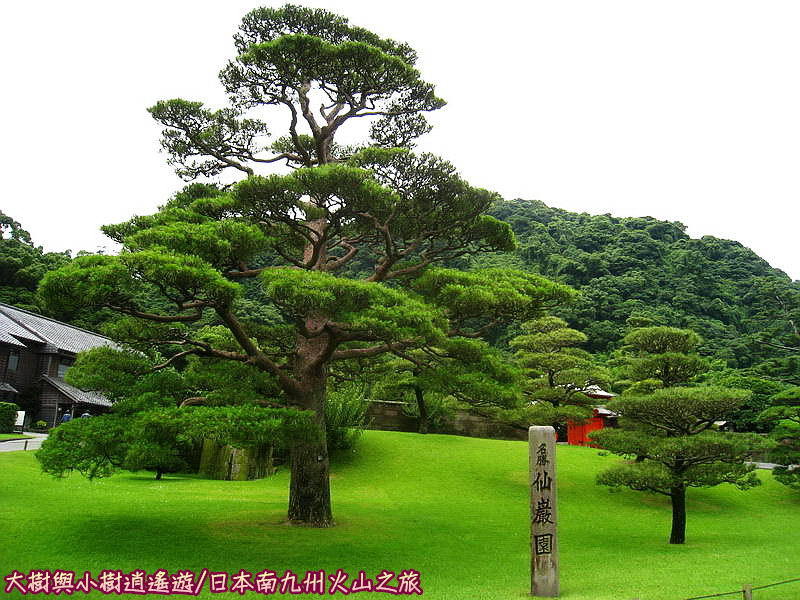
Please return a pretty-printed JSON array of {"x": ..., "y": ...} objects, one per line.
[
  {"x": 454, "y": 508},
  {"x": 13, "y": 436}
]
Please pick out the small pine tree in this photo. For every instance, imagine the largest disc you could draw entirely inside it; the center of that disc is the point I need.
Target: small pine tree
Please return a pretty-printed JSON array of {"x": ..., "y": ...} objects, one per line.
[
  {"x": 559, "y": 373},
  {"x": 662, "y": 356},
  {"x": 671, "y": 432}
]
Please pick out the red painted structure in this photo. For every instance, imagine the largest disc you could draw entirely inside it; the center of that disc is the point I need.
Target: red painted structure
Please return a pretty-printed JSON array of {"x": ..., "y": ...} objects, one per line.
[{"x": 578, "y": 433}]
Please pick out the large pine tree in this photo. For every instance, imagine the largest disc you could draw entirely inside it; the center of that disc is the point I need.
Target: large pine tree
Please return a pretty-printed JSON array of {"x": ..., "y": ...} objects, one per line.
[{"x": 343, "y": 243}]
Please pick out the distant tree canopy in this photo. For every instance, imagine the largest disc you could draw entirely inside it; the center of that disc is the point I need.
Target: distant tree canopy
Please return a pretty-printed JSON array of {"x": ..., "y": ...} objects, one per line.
[{"x": 745, "y": 310}]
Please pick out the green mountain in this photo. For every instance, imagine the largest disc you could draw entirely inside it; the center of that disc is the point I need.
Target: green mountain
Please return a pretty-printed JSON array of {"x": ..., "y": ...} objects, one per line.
[{"x": 649, "y": 269}]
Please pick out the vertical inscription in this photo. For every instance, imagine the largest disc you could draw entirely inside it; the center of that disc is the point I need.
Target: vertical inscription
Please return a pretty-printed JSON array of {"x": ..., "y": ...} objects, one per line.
[{"x": 544, "y": 540}]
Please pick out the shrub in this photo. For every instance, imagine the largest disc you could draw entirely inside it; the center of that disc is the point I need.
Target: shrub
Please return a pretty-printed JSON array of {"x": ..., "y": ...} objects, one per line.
[
  {"x": 94, "y": 447},
  {"x": 345, "y": 416},
  {"x": 8, "y": 416}
]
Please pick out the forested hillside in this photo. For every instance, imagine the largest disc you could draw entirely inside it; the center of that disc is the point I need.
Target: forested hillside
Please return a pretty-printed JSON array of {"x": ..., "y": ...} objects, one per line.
[{"x": 650, "y": 269}]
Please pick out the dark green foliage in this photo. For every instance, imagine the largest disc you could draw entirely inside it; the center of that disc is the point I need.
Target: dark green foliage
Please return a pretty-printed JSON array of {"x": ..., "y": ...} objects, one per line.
[
  {"x": 8, "y": 416},
  {"x": 161, "y": 422},
  {"x": 459, "y": 371},
  {"x": 661, "y": 340},
  {"x": 241, "y": 426},
  {"x": 119, "y": 375},
  {"x": 671, "y": 368},
  {"x": 154, "y": 444},
  {"x": 652, "y": 269},
  {"x": 539, "y": 413},
  {"x": 558, "y": 374},
  {"x": 670, "y": 432},
  {"x": 158, "y": 439},
  {"x": 680, "y": 411},
  {"x": 748, "y": 417},
  {"x": 789, "y": 474},
  {"x": 436, "y": 413}
]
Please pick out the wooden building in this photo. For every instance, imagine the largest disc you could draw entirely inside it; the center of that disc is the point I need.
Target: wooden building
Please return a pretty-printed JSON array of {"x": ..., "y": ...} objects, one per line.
[{"x": 35, "y": 352}]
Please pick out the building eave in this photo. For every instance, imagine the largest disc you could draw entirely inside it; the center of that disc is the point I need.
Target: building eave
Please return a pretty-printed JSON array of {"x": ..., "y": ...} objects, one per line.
[{"x": 75, "y": 394}]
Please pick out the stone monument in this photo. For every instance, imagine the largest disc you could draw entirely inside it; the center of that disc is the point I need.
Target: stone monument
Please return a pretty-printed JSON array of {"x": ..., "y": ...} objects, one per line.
[{"x": 544, "y": 515}]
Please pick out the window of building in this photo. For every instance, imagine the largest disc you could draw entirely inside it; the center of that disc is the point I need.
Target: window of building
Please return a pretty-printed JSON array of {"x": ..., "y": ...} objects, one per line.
[
  {"x": 13, "y": 361},
  {"x": 63, "y": 365}
]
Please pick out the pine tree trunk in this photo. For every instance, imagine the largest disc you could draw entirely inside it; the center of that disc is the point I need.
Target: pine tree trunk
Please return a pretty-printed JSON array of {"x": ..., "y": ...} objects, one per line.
[
  {"x": 424, "y": 423},
  {"x": 309, "y": 489},
  {"x": 678, "y": 498}
]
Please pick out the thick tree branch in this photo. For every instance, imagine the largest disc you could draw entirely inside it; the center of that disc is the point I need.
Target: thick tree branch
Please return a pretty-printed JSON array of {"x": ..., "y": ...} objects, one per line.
[
  {"x": 372, "y": 350},
  {"x": 293, "y": 131},
  {"x": 158, "y": 318},
  {"x": 173, "y": 358},
  {"x": 256, "y": 356},
  {"x": 209, "y": 151},
  {"x": 334, "y": 264}
]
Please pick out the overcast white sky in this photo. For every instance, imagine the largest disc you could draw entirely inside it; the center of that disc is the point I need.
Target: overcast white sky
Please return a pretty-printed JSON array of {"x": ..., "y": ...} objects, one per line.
[{"x": 682, "y": 110}]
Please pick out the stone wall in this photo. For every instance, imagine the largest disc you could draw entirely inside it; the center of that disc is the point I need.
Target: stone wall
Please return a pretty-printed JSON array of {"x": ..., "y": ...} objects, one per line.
[
  {"x": 470, "y": 425},
  {"x": 389, "y": 416},
  {"x": 235, "y": 464}
]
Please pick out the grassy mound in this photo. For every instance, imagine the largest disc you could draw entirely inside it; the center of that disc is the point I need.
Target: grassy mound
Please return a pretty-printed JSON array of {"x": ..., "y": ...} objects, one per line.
[{"x": 453, "y": 508}]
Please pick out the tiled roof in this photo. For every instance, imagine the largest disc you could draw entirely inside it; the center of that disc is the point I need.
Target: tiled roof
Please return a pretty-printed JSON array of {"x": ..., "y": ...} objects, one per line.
[
  {"x": 76, "y": 394},
  {"x": 17, "y": 324},
  {"x": 10, "y": 328}
]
